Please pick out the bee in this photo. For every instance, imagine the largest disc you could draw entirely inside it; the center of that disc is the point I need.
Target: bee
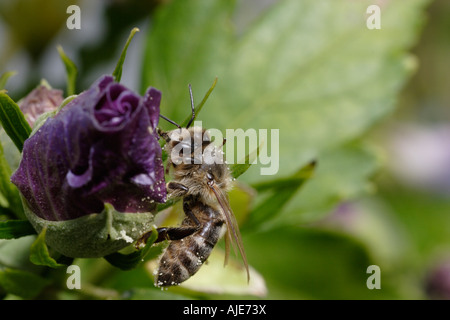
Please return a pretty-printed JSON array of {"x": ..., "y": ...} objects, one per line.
[{"x": 202, "y": 181}]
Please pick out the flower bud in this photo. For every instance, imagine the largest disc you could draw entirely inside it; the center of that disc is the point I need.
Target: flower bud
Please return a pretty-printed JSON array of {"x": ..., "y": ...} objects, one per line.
[
  {"x": 101, "y": 148},
  {"x": 42, "y": 99}
]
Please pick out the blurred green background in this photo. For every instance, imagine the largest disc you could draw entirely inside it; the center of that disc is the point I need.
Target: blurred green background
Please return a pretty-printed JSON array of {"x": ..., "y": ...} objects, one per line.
[{"x": 370, "y": 106}]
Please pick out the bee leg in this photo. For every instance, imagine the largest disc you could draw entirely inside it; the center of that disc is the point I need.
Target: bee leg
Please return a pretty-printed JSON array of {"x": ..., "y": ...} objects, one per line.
[
  {"x": 187, "y": 203},
  {"x": 177, "y": 189},
  {"x": 165, "y": 233},
  {"x": 174, "y": 233}
]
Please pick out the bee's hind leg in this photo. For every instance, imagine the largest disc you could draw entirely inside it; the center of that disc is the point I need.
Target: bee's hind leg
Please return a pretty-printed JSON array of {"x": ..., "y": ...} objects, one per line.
[
  {"x": 176, "y": 233},
  {"x": 175, "y": 190},
  {"x": 164, "y": 233}
]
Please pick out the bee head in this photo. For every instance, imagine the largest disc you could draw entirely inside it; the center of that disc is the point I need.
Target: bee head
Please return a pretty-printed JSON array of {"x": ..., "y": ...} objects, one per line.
[
  {"x": 216, "y": 174},
  {"x": 190, "y": 141}
]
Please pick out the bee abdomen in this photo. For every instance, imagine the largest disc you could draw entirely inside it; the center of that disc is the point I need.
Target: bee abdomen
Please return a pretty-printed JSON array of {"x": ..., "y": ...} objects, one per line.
[{"x": 183, "y": 258}]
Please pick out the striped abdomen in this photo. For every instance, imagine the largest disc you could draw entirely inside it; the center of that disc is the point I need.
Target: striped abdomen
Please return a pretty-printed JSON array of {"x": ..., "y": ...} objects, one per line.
[{"x": 183, "y": 258}]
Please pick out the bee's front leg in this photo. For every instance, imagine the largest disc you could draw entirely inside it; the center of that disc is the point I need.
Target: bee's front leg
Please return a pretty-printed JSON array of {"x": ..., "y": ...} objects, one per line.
[
  {"x": 176, "y": 189},
  {"x": 188, "y": 202}
]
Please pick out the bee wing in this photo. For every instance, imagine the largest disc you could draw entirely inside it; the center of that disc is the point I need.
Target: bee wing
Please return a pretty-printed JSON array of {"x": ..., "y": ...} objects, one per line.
[
  {"x": 233, "y": 233},
  {"x": 227, "y": 247}
]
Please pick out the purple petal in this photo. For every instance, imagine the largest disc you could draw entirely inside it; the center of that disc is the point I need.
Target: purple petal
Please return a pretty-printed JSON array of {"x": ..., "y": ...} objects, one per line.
[
  {"x": 152, "y": 100},
  {"x": 101, "y": 147}
]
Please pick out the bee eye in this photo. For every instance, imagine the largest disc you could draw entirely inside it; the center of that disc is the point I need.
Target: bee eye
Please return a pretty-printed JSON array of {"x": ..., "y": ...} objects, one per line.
[{"x": 209, "y": 176}]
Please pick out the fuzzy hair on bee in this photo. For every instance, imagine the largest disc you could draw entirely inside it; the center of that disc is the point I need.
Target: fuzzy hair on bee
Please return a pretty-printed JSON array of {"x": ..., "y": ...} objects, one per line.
[
  {"x": 201, "y": 178},
  {"x": 203, "y": 163}
]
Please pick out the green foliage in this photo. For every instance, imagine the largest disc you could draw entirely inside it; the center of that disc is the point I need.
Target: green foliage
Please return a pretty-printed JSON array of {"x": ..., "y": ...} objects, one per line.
[
  {"x": 424, "y": 219},
  {"x": 132, "y": 260},
  {"x": 117, "y": 73},
  {"x": 4, "y": 78},
  {"x": 237, "y": 169},
  {"x": 199, "y": 107},
  {"x": 15, "y": 229},
  {"x": 342, "y": 174},
  {"x": 39, "y": 254},
  {"x": 309, "y": 68},
  {"x": 301, "y": 254},
  {"x": 71, "y": 71},
  {"x": 13, "y": 121},
  {"x": 313, "y": 70},
  {"x": 8, "y": 190},
  {"x": 21, "y": 283},
  {"x": 282, "y": 190}
]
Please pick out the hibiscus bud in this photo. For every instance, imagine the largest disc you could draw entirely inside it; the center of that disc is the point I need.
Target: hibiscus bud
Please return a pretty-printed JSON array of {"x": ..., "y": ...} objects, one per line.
[
  {"x": 92, "y": 174},
  {"x": 40, "y": 100}
]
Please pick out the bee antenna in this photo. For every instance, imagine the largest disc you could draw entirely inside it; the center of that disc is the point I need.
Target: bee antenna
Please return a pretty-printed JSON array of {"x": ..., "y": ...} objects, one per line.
[
  {"x": 170, "y": 121},
  {"x": 192, "y": 107}
]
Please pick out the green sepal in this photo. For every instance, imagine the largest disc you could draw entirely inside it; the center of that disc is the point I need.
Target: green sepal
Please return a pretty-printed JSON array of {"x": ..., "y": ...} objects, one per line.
[
  {"x": 39, "y": 254},
  {"x": 95, "y": 235}
]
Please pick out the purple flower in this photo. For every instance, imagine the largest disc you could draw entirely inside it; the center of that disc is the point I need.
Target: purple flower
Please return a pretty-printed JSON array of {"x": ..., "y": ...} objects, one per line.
[{"x": 102, "y": 147}]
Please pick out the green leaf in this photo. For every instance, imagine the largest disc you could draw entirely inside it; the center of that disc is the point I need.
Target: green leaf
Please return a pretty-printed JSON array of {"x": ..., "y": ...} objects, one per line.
[
  {"x": 22, "y": 283},
  {"x": 13, "y": 121},
  {"x": 132, "y": 260},
  {"x": 15, "y": 253},
  {"x": 423, "y": 217},
  {"x": 310, "y": 68},
  {"x": 313, "y": 263},
  {"x": 39, "y": 254},
  {"x": 239, "y": 168},
  {"x": 71, "y": 70},
  {"x": 342, "y": 174},
  {"x": 282, "y": 192},
  {"x": 4, "y": 78},
  {"x": 162, "y": 206},
  {"x": 7, "y": 189},
  {"x": 13, "y": 229},
  {"x": 199, "y": 107},
  {"x": 117, "y": 73},
  {"x": 186, "y": 39},
  {"x": 241, "y": 198}
]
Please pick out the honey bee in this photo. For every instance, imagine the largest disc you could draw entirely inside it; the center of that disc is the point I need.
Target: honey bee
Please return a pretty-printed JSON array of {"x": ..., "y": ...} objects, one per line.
[{"x": 203, "y": 186}]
